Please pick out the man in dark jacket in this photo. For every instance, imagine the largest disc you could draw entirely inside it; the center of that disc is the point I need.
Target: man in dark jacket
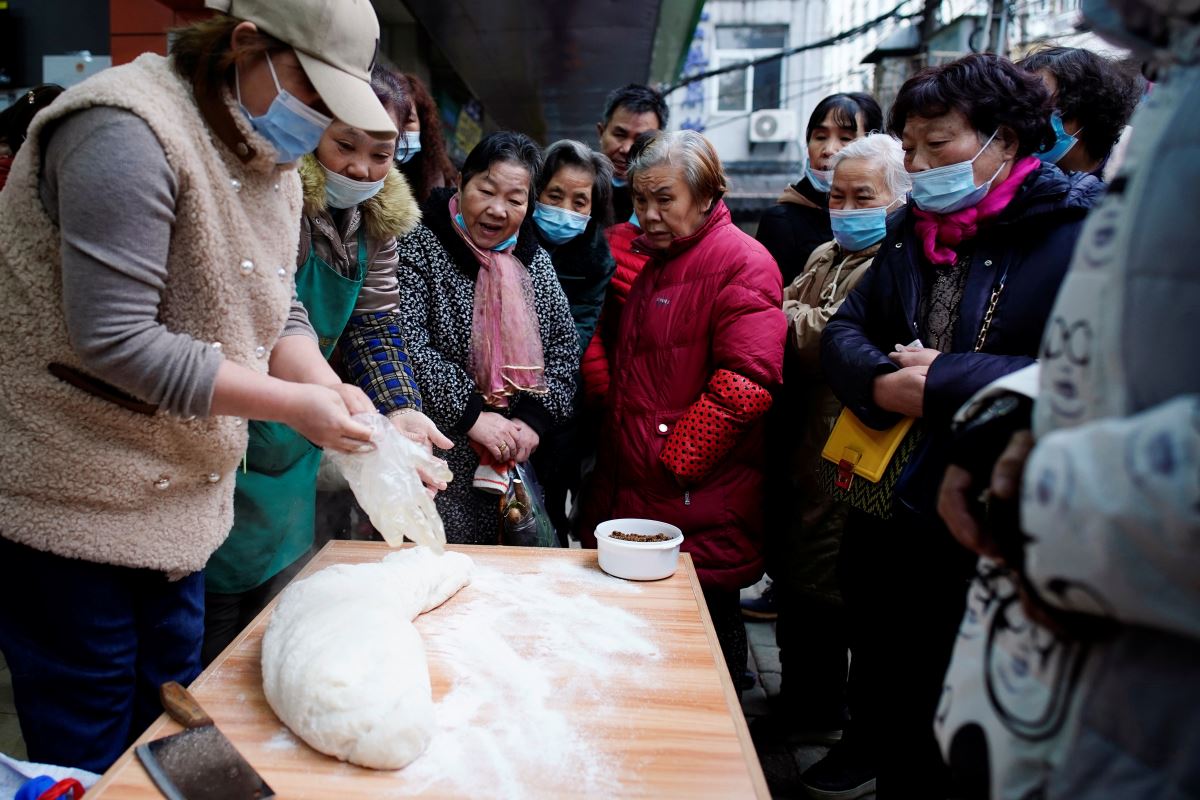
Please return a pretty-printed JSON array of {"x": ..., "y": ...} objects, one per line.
[{"x": 629, "y": 111}]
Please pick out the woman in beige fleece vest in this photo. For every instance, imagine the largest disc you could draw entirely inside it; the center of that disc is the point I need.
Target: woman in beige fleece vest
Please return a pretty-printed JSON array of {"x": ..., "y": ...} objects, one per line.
[{"x": 147, "y": 250}]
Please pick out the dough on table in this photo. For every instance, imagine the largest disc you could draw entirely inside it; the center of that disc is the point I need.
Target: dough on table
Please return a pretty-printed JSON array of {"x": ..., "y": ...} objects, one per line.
[{"x": 344, "y": 667}]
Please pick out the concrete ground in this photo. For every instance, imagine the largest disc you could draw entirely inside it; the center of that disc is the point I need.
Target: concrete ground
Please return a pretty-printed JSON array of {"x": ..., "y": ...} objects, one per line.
[
  {"x": 11, "y": 742},
  {"x": 781, "y": 765}
]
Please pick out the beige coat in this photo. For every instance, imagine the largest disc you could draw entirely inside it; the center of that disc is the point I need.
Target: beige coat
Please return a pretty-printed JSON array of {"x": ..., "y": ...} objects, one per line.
[
  {"x": 815, "y": 521},
  {"x": 84, "y": 477},
  {"x": 816, "y": 294},
  {"x": 809, "y": 302}
]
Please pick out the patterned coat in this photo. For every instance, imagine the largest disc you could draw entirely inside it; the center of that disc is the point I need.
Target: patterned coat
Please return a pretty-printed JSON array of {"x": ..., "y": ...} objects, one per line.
[{"x": 437, "y": 290}]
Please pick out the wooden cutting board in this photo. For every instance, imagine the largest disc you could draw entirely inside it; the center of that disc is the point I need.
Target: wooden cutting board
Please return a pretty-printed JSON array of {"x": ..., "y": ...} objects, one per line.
[{"x": 636, "y": 702}]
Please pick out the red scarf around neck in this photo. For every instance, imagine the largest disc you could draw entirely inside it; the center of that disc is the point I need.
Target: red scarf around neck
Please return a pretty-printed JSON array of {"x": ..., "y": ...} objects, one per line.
[{"x": 941, "y": 234}]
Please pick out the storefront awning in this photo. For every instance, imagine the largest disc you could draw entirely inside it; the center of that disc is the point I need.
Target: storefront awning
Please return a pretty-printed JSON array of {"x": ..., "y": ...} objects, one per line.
[{"x": 544, "y": 67}]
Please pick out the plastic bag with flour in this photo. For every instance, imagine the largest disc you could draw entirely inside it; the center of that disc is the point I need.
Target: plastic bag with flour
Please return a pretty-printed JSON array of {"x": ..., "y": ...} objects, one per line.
[{"x": 387, "y": 485}]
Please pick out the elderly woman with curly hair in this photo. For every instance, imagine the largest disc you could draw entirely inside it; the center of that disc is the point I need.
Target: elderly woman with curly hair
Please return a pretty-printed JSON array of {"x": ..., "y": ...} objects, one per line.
[
  {"x": 1093, "y": 100},
  {"x": 957, "y": 296}
]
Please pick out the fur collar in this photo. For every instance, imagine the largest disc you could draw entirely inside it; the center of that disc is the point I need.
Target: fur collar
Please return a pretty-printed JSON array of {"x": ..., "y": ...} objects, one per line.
[
  {"x": 392, "y": 212},
  {"x": 436, "y": 216}
]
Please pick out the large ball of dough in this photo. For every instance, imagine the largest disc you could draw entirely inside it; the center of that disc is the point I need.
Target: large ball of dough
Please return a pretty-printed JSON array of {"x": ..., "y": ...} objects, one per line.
[{"x": 343, "y": 666}]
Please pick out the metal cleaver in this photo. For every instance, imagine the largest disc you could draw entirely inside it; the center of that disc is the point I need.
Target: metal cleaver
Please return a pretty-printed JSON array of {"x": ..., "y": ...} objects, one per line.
[{"x": 199, "y": 763}]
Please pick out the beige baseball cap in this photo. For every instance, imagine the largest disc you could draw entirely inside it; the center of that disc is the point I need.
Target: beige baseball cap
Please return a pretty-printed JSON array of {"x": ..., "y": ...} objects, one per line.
[{"x": 336, "y": 41}]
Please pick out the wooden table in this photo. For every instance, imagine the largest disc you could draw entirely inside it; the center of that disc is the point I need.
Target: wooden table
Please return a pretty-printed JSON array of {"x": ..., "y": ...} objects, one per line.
[{"x": 670, "y": 726}]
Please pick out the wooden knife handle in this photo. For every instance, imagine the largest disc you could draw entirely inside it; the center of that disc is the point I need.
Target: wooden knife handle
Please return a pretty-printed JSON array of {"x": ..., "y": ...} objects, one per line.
[{"x": 182, "y": 707}]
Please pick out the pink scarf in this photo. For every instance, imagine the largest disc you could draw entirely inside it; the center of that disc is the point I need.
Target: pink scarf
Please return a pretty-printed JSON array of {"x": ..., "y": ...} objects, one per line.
[
  {"x": 506, "y": 345},
  {"x": 941, "y": 234}
]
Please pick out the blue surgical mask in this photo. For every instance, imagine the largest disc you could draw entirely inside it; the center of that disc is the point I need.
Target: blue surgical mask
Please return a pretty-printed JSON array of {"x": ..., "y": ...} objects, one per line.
[
  {"x": 819, "y": 178},
  {"x": 620, "y": 183},
  {"x": 559, "y": 225},
  {"x": 291, "y": 127},
  {"x": 859, "y": 228},
  {"x": 408, "y": 144},
  {"x": 1063, "y": 141},
  {"x": 507, "y": 243},
  {"x": 943, "y": 190},
  {"x": 343, "y": 192}
]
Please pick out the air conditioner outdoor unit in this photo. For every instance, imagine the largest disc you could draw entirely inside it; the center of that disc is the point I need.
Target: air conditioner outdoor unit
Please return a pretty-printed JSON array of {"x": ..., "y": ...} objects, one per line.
[{"x": 773, "y": 125}]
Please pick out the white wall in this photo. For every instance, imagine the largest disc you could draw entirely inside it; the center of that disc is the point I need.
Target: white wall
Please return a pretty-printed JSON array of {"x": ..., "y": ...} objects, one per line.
[{"x": 807, "y": 77}]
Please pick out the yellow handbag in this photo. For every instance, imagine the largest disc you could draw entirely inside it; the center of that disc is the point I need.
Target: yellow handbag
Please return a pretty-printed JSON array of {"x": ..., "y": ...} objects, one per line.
[
  {"x": 859, "y": 450},
  {"x": 861, "y": 466},
  {"x": 854, "y": 450}
]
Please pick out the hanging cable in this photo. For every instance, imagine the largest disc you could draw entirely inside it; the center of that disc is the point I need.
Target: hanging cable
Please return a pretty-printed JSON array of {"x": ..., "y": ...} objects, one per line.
[{"x": 850, "y": 33}]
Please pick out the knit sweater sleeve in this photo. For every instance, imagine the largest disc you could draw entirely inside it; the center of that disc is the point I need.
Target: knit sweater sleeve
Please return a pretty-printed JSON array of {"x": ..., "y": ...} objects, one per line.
[
  {"x": 107, "y": 185},
  {"x": 560, "y": 350}
]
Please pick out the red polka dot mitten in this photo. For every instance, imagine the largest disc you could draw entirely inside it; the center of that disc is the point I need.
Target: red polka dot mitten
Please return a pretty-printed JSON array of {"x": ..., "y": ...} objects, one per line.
[{"x": 714, "y": 424}]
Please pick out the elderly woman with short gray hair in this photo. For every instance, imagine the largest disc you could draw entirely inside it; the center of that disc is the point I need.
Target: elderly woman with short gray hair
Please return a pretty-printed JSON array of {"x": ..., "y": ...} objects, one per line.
[
  {"x": 700, "y": 351},
  {"x": 868, "y": 181}
]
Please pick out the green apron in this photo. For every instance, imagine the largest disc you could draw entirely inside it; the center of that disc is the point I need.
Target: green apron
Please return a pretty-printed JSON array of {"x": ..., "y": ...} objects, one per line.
[{"x": 275, "y": 500}]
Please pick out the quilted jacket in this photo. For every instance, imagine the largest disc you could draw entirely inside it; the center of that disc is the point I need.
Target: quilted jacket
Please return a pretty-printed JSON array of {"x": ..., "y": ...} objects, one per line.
[
  {"x": 1029, "y": 245},
  {"x": 700, "y": 348}
]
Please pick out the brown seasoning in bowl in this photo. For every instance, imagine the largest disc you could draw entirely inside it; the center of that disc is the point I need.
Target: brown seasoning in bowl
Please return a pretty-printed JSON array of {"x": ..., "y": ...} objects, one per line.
[{"x": 640, "y": 537}]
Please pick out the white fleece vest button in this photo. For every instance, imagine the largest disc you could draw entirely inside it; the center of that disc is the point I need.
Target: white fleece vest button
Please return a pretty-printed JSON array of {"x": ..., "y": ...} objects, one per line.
[
  {"x": 163, "y": 483},
  {"x": 213, "y": 477},
  {"x": 247, "y": 266},
  {"x": 260, "y": 351}
]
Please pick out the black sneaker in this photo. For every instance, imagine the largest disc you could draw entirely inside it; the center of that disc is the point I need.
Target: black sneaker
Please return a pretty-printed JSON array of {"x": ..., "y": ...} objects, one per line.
[
  {"x": 762, "y": 608},
  {"x": 840, "y": 775},
  {"x": 791, "y": 730}
]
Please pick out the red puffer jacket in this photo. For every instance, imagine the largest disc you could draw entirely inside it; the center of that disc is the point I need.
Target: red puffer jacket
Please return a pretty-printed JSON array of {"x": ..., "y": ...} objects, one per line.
[
  {"x": 595, "y": 366},
  {"x": 700, "y": 348}
]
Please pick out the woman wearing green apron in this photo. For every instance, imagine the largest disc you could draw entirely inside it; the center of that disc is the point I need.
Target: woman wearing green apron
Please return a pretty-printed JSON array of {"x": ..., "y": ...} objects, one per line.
[{"x": 355, "y": 205}]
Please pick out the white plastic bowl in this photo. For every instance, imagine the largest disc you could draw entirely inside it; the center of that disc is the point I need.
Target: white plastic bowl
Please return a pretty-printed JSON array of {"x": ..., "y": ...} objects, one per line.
[{"x": 638, "y": 561}]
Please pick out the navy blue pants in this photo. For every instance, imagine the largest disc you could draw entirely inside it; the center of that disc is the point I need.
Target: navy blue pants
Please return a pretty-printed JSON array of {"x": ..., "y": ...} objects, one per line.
[{"x": 88, "y": 646}]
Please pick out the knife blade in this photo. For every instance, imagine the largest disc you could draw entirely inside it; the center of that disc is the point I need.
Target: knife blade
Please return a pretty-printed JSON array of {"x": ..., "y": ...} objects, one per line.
[{"x": 199, "y": 763}]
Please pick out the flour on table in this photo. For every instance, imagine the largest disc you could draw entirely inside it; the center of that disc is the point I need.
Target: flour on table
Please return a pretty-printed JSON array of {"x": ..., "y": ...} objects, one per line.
[
  {"x": 519, "y": 650},
  {"x": 343, "y": 666}
]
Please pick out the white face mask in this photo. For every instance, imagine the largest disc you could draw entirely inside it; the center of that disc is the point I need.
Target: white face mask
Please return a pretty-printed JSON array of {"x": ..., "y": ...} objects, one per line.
[
  {"x": 821, "y": 179},
  {"x": 343, "y": 192},
  {"x": 291, "y": 127},
  {"x": 408, "y": 144},
  {"x": 944, "y": 190}
]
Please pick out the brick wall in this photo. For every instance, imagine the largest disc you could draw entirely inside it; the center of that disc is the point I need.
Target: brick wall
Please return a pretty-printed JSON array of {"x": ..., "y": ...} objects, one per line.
[{"x": 140, "y": 26}]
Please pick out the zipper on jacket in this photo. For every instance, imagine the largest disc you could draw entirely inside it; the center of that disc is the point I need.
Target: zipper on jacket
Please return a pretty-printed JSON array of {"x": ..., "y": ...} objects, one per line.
[{"x": 687, "y": 497}]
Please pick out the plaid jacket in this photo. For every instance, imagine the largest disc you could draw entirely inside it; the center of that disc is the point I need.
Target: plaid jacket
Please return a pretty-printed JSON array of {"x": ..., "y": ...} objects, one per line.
[{"x": 377, "y": 361}]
